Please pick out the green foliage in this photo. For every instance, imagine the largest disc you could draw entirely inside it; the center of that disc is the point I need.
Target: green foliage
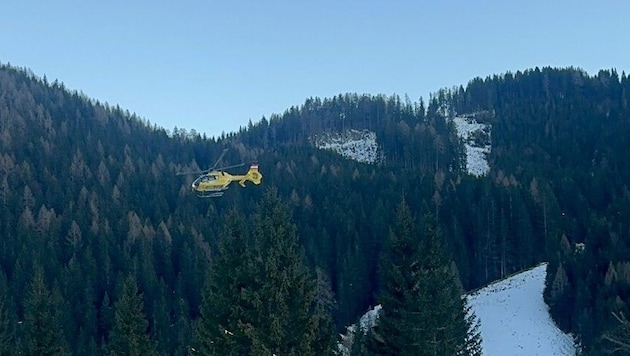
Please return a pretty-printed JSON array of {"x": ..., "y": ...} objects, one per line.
[
  {"x": 260, "y": 297},
  {"x": 129, "y": 335},
  {"x": 7, "y": 341},
  {"x": 423, "y": 312},
  {"x": 224, "y": 294},
  {"x": 42, "y": 330}
]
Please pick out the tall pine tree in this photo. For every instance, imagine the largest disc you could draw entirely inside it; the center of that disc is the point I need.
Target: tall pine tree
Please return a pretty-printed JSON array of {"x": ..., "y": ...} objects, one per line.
[
  {"x": 7, "y": 345},
  {"x": 220, "y": 330},
  {"x": 129, "y": 335},
  {"x": 261, "y": 298},
  {"x": 423, "y": 312},
  {"x": 43, "y": 334}
]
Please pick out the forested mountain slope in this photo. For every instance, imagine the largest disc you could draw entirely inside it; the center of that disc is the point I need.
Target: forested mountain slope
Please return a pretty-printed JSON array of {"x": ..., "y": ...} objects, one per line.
[
  {"x": 563, "y": 136},
  {"x": 90, "y": 198}
]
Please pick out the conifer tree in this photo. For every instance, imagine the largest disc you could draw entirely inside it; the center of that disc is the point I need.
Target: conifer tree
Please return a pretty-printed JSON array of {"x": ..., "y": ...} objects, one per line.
[
  {"x": 43, "y": 334},
  {"x": 105, "y": 317},
  {"x": 422, "y": 309},
  {"x": 7, "y": 319},
  {"x": 6, "y": 331},
  {"x": 260, "y": 298},
  {"x": 129, "y": 335},
  {"x": 227, "y": 287}
]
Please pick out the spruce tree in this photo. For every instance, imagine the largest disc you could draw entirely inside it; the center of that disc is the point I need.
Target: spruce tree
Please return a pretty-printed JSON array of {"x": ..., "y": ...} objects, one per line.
[
  {"x": 6, "y": 330},
  {"x": 422, "y": 312},
  {"x": 7, "y": 319},
  {"x": 129, "y": 335},
  {"x": 226, "y": 292},
  {"x": 260, "y": 298},
  {"x": 43, "y": 334}
]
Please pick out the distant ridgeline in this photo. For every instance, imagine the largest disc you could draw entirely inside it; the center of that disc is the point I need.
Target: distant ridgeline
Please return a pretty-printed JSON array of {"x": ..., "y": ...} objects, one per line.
[{"x": 516, "y": 169}]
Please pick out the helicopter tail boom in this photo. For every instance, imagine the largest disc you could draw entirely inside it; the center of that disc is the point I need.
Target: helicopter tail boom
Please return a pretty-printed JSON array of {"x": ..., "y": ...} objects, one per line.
[{"x": 252, "y": 175}]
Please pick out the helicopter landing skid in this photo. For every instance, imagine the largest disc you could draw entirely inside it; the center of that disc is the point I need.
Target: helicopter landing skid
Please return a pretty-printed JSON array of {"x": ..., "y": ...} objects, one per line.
[{"x": 209, "y": 194}]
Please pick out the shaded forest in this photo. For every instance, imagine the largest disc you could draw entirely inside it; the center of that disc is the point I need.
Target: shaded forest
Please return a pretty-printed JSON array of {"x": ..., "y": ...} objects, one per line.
[{"x": 95, "y": 225}]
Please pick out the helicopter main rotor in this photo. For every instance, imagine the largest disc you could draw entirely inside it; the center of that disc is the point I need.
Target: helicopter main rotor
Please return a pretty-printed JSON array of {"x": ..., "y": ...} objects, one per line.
[{"x": 214, "y": 167}]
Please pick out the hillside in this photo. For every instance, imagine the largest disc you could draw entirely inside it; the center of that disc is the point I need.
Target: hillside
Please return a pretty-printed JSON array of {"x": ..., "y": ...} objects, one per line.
[
  {"x": 559, "y": 133},
  {"x": 515, "y": 319},
  {"x": 90, "y": 202}
]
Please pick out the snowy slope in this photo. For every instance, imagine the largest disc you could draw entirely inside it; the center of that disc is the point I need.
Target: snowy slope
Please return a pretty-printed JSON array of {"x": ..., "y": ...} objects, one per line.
[
  {"x": 358, "y": 145},
  {"x": 471, "y": 131},
  {"x": 515, "y": 319},
  {"x": 361, "y": 145}
]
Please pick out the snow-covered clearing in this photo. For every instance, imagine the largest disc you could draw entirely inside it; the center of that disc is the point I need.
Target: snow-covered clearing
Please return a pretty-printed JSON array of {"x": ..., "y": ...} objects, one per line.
[
  {"x": 515, "y": 319},
  {"x": 471, "y": 132},
  {"x": 358, "y": 145},
  {"x": 361, "y": 145}
]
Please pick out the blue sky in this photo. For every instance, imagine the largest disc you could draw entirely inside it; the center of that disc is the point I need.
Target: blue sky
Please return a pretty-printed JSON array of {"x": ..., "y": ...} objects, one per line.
[{"x": 214, "y": 65}]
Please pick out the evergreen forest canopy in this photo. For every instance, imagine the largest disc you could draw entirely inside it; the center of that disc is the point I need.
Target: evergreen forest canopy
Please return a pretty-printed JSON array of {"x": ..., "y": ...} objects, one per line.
[{"x": 100, "y": 239}]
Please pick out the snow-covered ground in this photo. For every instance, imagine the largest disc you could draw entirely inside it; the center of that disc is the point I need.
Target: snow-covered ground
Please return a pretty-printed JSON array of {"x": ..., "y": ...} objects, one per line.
[
  {"x": 361, "y": 145},
  {"x": 515, "y": 319},
  {"x": 358, "y": 145},
  {"x": 467, "y": 129}
]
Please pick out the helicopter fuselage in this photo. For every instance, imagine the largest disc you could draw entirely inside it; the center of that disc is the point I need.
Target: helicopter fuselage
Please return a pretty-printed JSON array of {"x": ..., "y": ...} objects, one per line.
[{"x": 213, "y": 183}]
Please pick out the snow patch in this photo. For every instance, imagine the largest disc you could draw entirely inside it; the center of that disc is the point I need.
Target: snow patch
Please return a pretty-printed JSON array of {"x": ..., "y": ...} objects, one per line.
[
  {"x": 514, "y": 319},
  {"x": 359, "y": 145},
  {"x": 368, "y": 320},
  {"x": 476, "y": 138}
]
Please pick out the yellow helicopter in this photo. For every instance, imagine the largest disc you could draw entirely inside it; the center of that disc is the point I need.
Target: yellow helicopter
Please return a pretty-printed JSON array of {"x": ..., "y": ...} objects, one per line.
[{"x": 213, "y": 182}]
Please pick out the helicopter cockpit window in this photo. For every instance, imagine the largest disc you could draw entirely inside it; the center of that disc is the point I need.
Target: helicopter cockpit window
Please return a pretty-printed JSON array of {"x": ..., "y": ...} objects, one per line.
[{"x": 203, "y": 179}]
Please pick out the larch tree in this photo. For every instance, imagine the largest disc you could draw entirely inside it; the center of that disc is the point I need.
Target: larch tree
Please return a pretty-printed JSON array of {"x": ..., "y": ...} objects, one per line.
[{"x": 618, "y": 338}]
